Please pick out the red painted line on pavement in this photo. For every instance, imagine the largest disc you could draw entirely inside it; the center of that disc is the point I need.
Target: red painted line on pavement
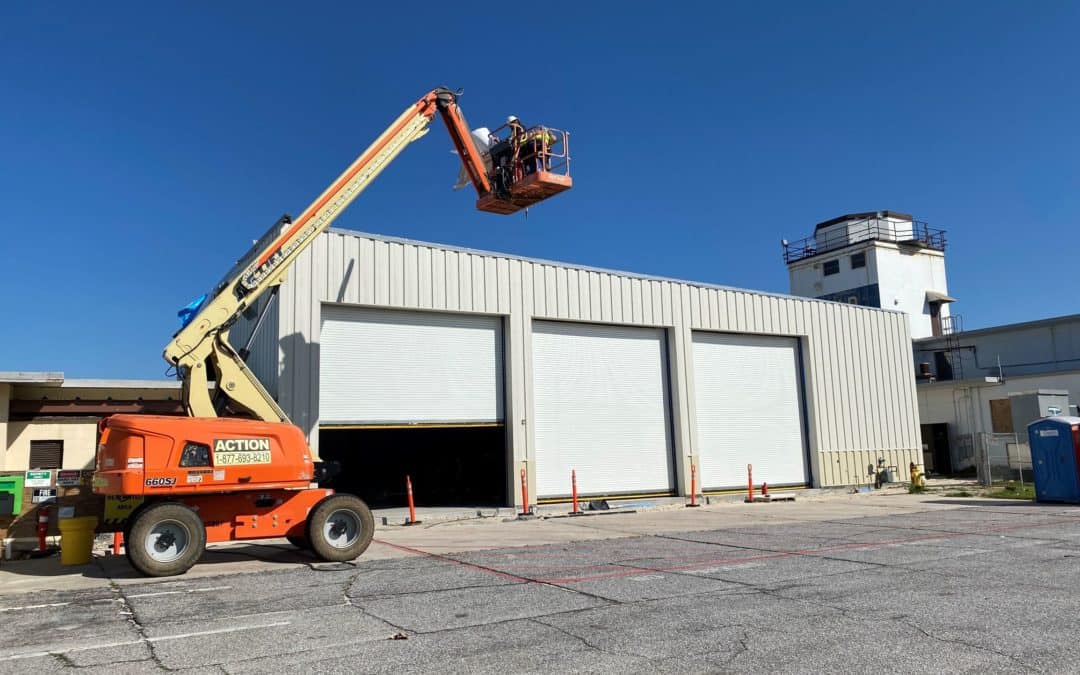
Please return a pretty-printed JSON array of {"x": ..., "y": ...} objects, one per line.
[
  {"x": 808, "y": 551},
  {"x": 488, "y": 570}
]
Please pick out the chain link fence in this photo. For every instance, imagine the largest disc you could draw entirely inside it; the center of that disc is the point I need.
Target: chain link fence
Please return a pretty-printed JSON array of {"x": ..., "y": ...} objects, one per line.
[
  {"x": 964, "y": 451},
  {"x": 1002, "y": 457}
]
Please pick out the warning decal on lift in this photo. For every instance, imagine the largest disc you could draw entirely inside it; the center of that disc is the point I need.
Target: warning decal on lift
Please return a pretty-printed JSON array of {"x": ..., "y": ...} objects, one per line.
[
  {"x": 240, "y": 451},
  {"x": 118, "y": 508},
  {"x": 196, "y": 476}
]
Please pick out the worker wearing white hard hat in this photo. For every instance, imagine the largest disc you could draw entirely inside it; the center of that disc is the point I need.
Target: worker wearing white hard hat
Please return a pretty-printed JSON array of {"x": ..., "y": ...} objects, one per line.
[
  {"x": 517, "y": 129},
  {"x": 517, "y": 135}
]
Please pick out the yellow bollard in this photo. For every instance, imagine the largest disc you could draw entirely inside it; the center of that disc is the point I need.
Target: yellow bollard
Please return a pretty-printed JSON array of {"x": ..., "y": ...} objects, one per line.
[{"x": 77, "y": 540}]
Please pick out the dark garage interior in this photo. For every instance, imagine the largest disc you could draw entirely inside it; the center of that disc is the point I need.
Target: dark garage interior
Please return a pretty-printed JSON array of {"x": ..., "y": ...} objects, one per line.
[{"x": 449, "y": 465}]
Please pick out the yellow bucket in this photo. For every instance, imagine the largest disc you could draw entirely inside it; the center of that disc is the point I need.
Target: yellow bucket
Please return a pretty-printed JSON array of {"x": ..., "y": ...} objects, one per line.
[{"x": 77, "y": 540}]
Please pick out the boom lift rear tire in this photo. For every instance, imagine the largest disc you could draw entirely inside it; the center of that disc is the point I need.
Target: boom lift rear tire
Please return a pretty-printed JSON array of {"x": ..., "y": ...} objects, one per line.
[
  {"x": 165, "y": 540},
  {"x": 340, "y": 528},
  {"x": 125, "y": 528}
]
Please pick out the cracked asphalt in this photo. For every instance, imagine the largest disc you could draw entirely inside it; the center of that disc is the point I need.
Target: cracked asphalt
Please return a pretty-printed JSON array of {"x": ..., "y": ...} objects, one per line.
[{"x": 922, "y": 586}]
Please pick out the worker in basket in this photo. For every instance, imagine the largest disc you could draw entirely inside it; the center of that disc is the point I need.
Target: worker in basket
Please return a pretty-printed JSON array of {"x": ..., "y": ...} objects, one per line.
[
  {"x": 517, "y": 129},
  {"x": 505, "y": 154},
  {"x": 531, "y": 146}
]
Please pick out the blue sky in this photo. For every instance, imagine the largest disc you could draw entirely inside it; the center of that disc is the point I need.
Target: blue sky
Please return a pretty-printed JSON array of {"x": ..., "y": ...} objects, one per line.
[{"x": 143, "y": 146}]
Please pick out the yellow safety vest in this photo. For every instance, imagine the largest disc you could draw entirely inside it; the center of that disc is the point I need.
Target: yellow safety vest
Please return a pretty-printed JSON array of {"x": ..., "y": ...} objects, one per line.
[{"x": 539, "y": 135}]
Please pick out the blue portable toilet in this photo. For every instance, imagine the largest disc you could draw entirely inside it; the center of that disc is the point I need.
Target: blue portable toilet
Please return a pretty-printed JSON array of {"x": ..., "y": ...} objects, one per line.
[{"x": 1054, "y": 445}]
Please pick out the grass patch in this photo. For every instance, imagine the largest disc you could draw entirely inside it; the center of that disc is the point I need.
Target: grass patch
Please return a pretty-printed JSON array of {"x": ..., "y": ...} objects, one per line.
[
  {"x": 960, "y": 493},
  {"x": 916, "y": 489},
  {"x": 1013, "y": 490}
]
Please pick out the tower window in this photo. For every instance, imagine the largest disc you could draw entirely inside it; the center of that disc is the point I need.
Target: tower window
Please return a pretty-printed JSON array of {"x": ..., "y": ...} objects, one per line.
[
  {"x": 831, "y": 267},
  {"x": 858, "y": 260}
]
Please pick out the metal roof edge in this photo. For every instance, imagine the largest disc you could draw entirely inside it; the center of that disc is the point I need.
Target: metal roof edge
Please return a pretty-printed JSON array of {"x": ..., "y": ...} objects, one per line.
[
  {"x": 1006, "y": 327},
  {"x": 1008, "y": 379},
  {"x": 601, "y": 270},
  {"x": 31, "y": 377},
  {"x": 1040, "y": 392},
  {"x": 970, "y": 382},
  {"x": 92, "y": 383}
]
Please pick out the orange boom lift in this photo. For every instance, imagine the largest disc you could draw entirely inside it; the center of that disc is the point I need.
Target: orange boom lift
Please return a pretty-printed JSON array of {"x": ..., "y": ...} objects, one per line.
[{"x": 235, "y": 468}]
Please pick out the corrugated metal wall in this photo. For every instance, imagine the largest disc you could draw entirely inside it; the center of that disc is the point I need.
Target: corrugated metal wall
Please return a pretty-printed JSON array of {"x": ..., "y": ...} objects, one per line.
[
  {"x": 264, "y": 359},
  {"x": 860, "y": 389}
]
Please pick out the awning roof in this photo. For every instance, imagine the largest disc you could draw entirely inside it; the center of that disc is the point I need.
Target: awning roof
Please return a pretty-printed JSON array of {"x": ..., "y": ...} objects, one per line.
[
  {"x": 936, "y": 296},
  {"x": 866, "y": 215},
  {"x": 25, "y": 377}
]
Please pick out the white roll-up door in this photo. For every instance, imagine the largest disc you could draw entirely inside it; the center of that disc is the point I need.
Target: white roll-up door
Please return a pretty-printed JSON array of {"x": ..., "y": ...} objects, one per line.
[
  {"x": 601, "y": 409},
  {"x": 749, "y": 410},
  {"x": 381, "y": 366}
]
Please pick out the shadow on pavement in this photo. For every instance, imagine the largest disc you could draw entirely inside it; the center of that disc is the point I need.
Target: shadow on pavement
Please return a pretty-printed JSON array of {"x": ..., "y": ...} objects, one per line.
[{"x": 117, "y": 566}]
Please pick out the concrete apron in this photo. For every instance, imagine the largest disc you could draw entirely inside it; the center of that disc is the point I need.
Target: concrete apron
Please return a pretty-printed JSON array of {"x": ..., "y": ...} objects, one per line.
[
  {"x": 457, "y": 534},
  {"x": 399, "y": 516}
]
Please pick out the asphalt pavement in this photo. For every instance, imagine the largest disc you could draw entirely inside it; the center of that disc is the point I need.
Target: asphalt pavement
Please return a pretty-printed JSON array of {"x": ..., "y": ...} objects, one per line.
[{"x": 902, "y": 584}]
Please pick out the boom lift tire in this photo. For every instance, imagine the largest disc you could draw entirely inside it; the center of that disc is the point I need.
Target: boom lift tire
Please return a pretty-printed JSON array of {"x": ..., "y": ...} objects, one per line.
[
  {"x": 125, "y": 529},
  {"x": 126, "y": 533},
  {"x": 165, "y": 540},
  {"x": 340, "y": 528}
]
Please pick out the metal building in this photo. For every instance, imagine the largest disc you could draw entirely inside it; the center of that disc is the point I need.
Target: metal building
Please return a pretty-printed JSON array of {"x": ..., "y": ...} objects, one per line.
[
  {"x": 464, "y": 367},
  {"x": 966, "y": 380}
]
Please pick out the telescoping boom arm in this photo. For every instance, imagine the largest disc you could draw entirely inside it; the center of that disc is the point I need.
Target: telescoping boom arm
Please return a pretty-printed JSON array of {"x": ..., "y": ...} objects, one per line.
[{"x": 205, "y": 339}]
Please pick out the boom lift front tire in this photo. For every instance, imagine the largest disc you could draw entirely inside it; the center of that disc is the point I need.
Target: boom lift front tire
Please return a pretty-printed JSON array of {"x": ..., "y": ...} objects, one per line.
[
  {"x": 340, "y": 528},
  {"x": 165, "y": 540}
]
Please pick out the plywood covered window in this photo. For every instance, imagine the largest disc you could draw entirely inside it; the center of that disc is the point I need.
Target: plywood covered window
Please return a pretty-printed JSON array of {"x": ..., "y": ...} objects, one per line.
[
  {"x": 46, "y": 454},
  {"x": 1001, "y": 416}
]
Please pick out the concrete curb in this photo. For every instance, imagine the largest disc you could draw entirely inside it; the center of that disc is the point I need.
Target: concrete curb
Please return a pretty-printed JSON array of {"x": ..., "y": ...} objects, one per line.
[{"x": 391, "y": 519}]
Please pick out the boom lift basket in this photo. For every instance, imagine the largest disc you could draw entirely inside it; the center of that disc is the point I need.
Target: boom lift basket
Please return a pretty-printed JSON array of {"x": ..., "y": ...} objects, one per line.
[{"x": 527, "y": 169}]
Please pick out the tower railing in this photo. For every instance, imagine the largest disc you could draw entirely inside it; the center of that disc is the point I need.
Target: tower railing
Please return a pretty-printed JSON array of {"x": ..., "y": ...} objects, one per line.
[{"x": 915, "y": 233}]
